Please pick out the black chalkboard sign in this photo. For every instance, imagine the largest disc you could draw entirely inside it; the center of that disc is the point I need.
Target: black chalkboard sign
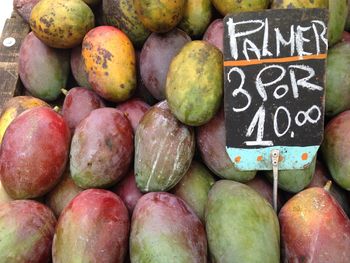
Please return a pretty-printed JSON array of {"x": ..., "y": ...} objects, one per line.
[{"x": 274, "y": 66}]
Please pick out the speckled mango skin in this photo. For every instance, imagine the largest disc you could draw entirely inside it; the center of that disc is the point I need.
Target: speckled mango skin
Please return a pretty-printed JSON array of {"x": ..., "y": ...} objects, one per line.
[
  {"x": 196, "y": 18},
  {"x": 335, "y": 149},
  {"x": 109, "y": 59},
  {"x": 26, "y": 232},
  {"x": 241, "y": 225},
  {"x": 194, "y": 84},
  {"x": 61, "y": 23},
  {"x": 314, "y": 228},
  {"x": 160, "y": 15},
  {"x": 14, "y": 107},
  {"x": 299, "y": 4},
  {"x": 233, "y": 6},
  {"x": 122, "y": 14}
]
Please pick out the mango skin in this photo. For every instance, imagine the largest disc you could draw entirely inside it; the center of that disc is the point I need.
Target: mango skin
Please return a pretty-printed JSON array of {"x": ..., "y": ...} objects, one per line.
[
  {"x": 122, "y": 15},
  {"x": 211, "y": 142},
  {"x": 34, "y": 153},
  {"x": 24, "y": 8},
  {"x": 276, "y": 4},
  {"x": 194, "y": 84},
  {"x": 94, "y": 227},
  {"x": 78, "y": 68},
  {"x": 231, "y": 6},
  {"x": 61, "y": 23},
  {"x": 101, "y": 149},
  {"x": 335, "y": 149},
  {"x": 15, "y": 106},
  {"x": 164, "y": 229},
  {"x": 26, "y": 232},
  {"x": 215, "y": 34},
  {"x": 241, "y": 225},
  {"x": 314, "y": 228},
  {"x": 109, "y": 60},
  {"x": 338, "y": 79},
  {"x": 164, "y": 149},
  {"x": 4, "y": 197},
  {"x": 43, "y": 70},
  {"x": 194, "y": 188},
  {"x": 160, "y": 16},
  {"x": 196, "y": 18}
]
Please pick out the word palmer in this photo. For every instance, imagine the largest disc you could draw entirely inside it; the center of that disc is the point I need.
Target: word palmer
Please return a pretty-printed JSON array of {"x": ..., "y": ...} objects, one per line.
[{"x": 295, "y": 44}]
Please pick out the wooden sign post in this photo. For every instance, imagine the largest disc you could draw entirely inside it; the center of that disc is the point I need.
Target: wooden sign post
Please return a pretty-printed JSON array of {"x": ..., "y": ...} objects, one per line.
[{"x": 274, "y": 65}]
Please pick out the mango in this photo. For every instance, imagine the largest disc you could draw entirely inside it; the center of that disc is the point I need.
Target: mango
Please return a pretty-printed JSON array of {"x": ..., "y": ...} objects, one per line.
[
  {"x": 194, "y": 188},
  {"x": 78, "y": 104},
  {"x": 109, "y": 60},
  {"x": 164, "y": 149},
  {"x": 43, "y": 70},
  {"x": 335, "y": 149},
  {"x": 4, "y": 197},
  {"x": 24, "y": 8},
  {"x": 294, "y": 181},
  {"x": 241, "y": 225},
  {"x": 101, "y": 149},
  {"x": 211, "y": 142},
  {"x": 15, "y": 106},
  {"x": 338, "y": 79},
  {"x": 134, "y": 109},
  {"x": 160, "y": 15},
  {"x": 156, "y": 56},
  {"x": 78, "y": 68},
  {"x": 314, "y": 228},
  {"x": 231, "y": 6},
  {"x": 122, "y": 15},
  {"x": 194, "y": 84},
  {"x": 196, "y": 17},
  {"x": 34, "y": 153},
  {"x": 61, "y": 23},
  {"x": 127, "y": 190},
  {"x": 26, "y": 232},
  {"x": 278, "y": 4},
  {"x": 94, "y": 227},
  {"x": 215, "y": 34},
  {"x": 164, "y": 229},
  {"x": 59, "y": 197}
]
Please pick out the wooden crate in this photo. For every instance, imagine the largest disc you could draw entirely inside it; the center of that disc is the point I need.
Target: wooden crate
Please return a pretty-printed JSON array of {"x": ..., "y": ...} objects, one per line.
[{"x": 10, "y": 84}]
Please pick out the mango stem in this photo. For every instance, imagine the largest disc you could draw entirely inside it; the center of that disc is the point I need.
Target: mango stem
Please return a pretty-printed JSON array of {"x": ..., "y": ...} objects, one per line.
[
  {"x": 56, "y": 109},
  {"x": 64, "y": 91},
  {"x": 328, "y": 185}
]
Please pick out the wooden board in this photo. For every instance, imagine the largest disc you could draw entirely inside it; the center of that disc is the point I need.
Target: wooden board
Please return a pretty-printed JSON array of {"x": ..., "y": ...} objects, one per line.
[
  {"x": 274, "y": 86},
  {"x": 10, "y": 84}
]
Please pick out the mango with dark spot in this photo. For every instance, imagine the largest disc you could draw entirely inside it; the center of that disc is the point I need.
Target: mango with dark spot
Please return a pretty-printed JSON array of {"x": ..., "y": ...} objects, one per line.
[
  {"x": 211, "y": 142},
  {"x": 43, "y": 70},
  {"x": 78, "y": 68},
  {"x": 15, "y": 106},
  {"x": 160, "y": 15},
  {"x": 314, "y": 228},
  {"x": 134, "y": 109},
  {"x": 294, "y": 181},
  {"x": 109, "y": 60},
  {"x": 335, "y": 149},
  {"x": 122, "y": 15},
  {"x": 194, "y": 84},
  {"x": 26, "y": 232},
  {"x": 34, "y": 152},
  {"x": 233, "y": 6},
  {"x": 215, "y": 34},
  {"x": 94, "y": 227},
  {"x": 78, "y": 104},
  {"x": 164, "y": 229},
  {"x": 338, "y": 11},
  {"x": 101, "y": 149},
  {"x": 59, "y": 197},
  {"x": 196, "y": 18},
  {"x": 241, "y": 225},
  {"x": 194, "y": 188},
  {"x": 155, "y": 59},
  {"x": 164, "y": 149},
  {"x": 61, "y": 23}
]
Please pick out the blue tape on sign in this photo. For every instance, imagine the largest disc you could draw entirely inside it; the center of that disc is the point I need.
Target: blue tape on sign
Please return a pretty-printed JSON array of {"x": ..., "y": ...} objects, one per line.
[{"x": 292, "y": 157}]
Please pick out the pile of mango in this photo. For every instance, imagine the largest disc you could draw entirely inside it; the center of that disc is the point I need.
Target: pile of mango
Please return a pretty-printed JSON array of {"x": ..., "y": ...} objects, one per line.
[{"x": 116, "y": 151}]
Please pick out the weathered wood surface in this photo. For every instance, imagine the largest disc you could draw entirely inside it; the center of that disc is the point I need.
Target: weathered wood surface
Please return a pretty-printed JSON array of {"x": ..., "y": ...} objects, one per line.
[{"x": 10, "y": 84}]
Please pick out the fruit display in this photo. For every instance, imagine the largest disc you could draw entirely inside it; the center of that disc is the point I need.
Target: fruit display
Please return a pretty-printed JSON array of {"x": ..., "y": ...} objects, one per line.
[{"x": 113, "y": 148}]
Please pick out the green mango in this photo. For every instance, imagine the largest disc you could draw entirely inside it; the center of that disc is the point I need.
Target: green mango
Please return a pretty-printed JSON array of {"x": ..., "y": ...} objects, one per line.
[{"x": 241, "y": 225}]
